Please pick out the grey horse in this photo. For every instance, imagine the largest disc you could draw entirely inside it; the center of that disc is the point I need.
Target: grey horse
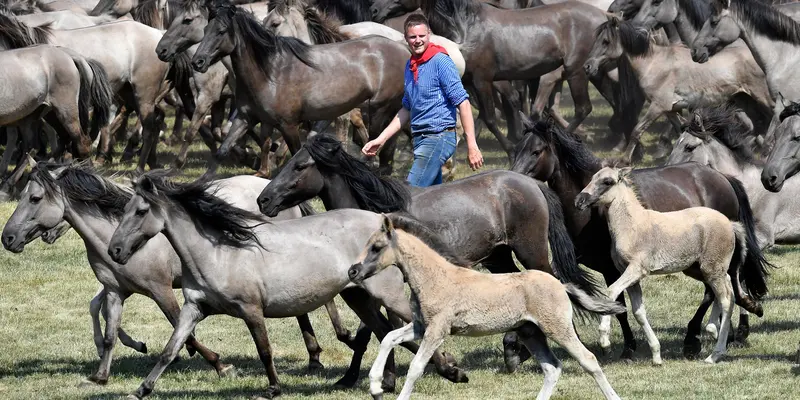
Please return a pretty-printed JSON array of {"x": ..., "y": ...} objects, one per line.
[
  {"x": 236, "y": 264},
  {"x": 716, "y": 138},
  {"x": 92, "y": 205}
]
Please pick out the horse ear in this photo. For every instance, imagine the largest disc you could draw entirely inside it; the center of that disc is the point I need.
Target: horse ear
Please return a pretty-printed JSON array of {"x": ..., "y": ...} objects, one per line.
[
  {"x": 29, "y": 160},
  {"x": 614, "y": 21},
  {"x": 56, "y": 173},
  {"x": 387, "y": 226},
  {"x": 625, "y": 172},
  {"x": 146, "y": 184}
]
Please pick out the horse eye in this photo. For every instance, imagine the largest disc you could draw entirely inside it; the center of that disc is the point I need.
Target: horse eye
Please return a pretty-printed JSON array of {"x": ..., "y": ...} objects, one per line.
[
  {"x": 608, "y": 181},
  {"x": 605, "y": 42},
  {"x": 187, "y": 21},
  {"x": 35, "y": 199},
  {"x": 690, "y": 149},
  {"x": 796, "y": 138},
  {"x": 141, "y": 212}
]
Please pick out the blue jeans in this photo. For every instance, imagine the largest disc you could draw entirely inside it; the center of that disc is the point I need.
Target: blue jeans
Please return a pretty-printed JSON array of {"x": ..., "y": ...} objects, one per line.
[{"x": 431, "y": 150}]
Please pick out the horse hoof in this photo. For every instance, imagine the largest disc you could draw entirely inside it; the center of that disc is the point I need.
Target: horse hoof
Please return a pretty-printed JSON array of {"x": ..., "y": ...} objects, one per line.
[
  {"x": 347, "y": 382},
  {"x": 691, "y": 353},
  {"x": 133, "y": 397},
  {"x": 388, "y": 384},
  {"x": 143, "y": 348},
  {"x": 88, "y": 383},
  {"x": 227, "y": 371},
  {"x": 738, "y": 344},
  {"x": 627, "y": 355},
  {"x": 377, "y": 396},
  {"x": 315, "y": 366}
]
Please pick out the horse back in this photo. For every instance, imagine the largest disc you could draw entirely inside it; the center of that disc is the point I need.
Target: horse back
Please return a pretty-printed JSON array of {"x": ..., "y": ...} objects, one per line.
[{"x": 680, "y": 186}]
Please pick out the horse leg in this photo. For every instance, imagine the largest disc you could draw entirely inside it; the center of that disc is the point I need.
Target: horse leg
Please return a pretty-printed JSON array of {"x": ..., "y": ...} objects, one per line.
[
  {"x": 664, "y": 146},
  {"x": 547, "y": 84},
  {"x": 12, "y": 139},
  {"x": 265, "y": 169},
  {"x": 579, "y": 88},
  {"x": 510, "y": 104},
  {"x": 168, "y": 305},
  {"x": 342, "y": 333},
  {"x": 113, "y": 302},
  {"x": 148, "y": 116},
  {"x": 653, "y": 112},
  {"x": 312, "y": 346},
  {"x": 392, "y": 339},
  {"x": 632, "y": 274},
  {"x": 190, "y": 316},
  {"x": 536, "y": 343},
  {"x": 723, "y": 290},
  {"x": 629, "y": 348},
  {"x": 121, "y": 334},
  {"x": 435, "y": 332},
  {"x": 202, "y": 108},
  {"x": 360, "y": 134},
  {"x": 255, "y": 323},
  {"x": 637, "y": 305},
  {"x": 743, "y": 330},
  {"x": 177, "y": 126},
  {"x": 94, "y": 311},
  {"x": 239, "y": 126},
  {"x": 691, "y": 343},
  {"x": 483, "y": 88}
]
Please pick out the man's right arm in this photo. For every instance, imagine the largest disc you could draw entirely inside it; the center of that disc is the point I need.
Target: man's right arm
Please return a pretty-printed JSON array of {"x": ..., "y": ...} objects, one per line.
[{"x": 373, "y": 146}]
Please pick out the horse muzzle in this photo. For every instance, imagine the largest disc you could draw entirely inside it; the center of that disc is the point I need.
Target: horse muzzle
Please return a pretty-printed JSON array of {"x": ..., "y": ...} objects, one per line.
[
  {"x": 356, "y": 273},
  {"x": 700, "y": 55},
  {"x": 13, "y": 243},
  {"x": 200, "y": 64},
  {"x": 583, "y": 201}
]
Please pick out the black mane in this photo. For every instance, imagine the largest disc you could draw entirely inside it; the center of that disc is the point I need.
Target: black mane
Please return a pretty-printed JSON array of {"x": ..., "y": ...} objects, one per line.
[
  {"x": 83, "y": 186},
  {"x": 635, "y": 41},
  {"x": 573, "y": 155},
  {"x": 263, "y": 44},
  {"x": 349, "y": 11},
  {"x": 371, "y": 191},
  {"x": 697, "y": 11},
  {"x": 451, "y": 18},
  {"x": 765, "y": 19},
  {"x": 209, "y": 213},
  {"x": 790, "y": 110},
  {"x": 17, "y": 35},
  {"x": 412, "y": 226},
  {"x": 722, "y": 124}
]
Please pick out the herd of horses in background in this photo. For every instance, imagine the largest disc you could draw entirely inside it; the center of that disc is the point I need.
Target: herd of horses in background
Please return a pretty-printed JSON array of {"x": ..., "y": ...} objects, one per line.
[{"x": 328, "y": 73}]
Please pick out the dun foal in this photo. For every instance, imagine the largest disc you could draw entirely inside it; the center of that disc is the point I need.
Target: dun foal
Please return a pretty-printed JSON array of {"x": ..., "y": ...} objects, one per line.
[
  {"x": 447, "y": 299},
  {"x": 649, "y": 242}
]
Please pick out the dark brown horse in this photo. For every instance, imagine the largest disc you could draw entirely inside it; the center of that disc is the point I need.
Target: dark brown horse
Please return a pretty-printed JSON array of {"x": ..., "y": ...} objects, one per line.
[
  {"x": 550, "y": 154},
  {"x": 521, "y": 217},
  {"x": 282, "y": 81},
  {"x": 519, "y": 45}
]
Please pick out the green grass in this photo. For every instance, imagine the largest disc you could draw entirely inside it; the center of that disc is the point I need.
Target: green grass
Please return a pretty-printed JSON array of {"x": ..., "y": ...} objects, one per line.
[{"x": 46, "y": 347}]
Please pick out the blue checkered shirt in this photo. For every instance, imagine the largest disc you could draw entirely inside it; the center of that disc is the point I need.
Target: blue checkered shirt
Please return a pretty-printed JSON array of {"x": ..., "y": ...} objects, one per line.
[{"x": 433, "y": 99}]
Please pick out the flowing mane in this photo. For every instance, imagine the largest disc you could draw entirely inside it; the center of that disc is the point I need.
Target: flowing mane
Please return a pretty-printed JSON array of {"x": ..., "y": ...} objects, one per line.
[
  {"x": 765, "y": 19},
  {"x": 409, "y": 224},
  {"x": 323, "y": 28},
  {"x": 82, "y": 186},
  {"x": 697, "y": 11},
  {"x": 453, "y": 18},
  {"x": 371, "y": 191},
  {"x": 16, "y": 34},
  {"x": 722, "y": 124},
  {"x": 263, "y": 44},
  {"x": 209, "y": 213},
  {"x": 573, "y": 155}
]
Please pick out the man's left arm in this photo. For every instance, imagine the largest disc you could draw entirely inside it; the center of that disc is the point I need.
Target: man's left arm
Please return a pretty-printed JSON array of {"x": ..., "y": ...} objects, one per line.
[{"x": 455, "y": 93}]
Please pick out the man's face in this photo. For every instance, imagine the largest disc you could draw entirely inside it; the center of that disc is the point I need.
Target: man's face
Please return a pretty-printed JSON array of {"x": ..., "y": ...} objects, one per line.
[{"x": 417, "y": 38}]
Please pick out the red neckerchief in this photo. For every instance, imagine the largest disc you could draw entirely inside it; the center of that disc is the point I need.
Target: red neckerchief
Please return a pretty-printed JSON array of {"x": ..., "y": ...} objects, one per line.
[{"x": 416, "y": 61}]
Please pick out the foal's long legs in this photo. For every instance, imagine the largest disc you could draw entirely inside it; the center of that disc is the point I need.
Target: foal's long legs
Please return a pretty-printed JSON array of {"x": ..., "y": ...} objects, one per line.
[
  {"x": 392, "y": 339},
  {"x": 190, "y": 316},
  {"x": 637, "y": 305},
  {"x": 723, "y": 290},
  {"x": 631, "y": 275},
  {"x": 432, "y": 339}
]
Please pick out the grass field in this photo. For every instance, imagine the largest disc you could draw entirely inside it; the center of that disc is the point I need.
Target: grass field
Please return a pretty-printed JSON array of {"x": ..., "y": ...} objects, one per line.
[{"x": 46, "y": 346}]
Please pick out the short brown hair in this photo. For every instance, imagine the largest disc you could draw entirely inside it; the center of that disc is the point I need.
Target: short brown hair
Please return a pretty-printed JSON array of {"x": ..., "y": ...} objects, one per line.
[{"x": 414, "y": 20}]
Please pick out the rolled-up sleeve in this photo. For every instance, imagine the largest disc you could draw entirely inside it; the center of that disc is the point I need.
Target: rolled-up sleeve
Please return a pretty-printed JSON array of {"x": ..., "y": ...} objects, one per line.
[{"x": 449, "y": 80}]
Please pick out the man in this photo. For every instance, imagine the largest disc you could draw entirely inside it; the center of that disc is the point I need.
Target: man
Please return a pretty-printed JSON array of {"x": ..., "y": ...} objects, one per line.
[{"x": 433, "y": 91}]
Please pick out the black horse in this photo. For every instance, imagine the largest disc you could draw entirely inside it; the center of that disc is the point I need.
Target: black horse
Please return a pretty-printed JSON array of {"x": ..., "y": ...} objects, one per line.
[
  {"x": 550, "y": 154},
  {"x": 487, "y": 216}
]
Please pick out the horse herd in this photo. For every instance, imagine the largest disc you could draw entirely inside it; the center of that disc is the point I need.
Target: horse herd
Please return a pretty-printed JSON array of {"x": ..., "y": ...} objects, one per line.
[{"x": 239, "y": 246}]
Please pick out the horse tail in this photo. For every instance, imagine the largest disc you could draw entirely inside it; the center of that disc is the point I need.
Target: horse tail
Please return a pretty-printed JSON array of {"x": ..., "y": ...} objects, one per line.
[
  {"x": 754, "y": 270},
  {"x": 586, "y": 304},
  {"x": 565, "y": 263},
  {"x": 741, "y": 295},
  {"x": 306, "y": 209},
  {"x": 101, "y": 96},
  {"x": 85, "y": 90}
]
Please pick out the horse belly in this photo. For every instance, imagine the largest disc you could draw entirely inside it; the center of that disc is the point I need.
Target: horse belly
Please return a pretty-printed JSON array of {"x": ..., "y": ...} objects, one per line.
[{"x": 20, "y": 96}]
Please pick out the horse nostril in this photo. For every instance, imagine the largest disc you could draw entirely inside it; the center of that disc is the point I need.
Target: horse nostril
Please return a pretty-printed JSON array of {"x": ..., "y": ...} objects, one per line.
[
  {"x": 773, "y": 178},
  {"x": 8, "y": 239},
  {"x": 114, "y": 252},
  {"x": 374, "y": 11},
  {"x": 352, "y": 272}
]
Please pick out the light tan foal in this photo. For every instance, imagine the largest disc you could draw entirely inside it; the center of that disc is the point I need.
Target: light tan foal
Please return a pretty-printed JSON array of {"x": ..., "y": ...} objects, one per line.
[
  {"x": 447, "y": 299},
  {"x": 649, "y": 242}
]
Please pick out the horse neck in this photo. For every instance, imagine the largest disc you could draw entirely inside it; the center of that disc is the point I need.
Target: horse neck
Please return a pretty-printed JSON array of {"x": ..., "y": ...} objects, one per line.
[
  {"x": 624, "y": 212},
  {"x": 567, "y": 186},
  {"x": 686, "y": 30},
  {"x": 421, "y": 266},
  {"x": 246, "y": 69},
  {"x": 724, "y": 160},
  {"x": 772, "y": 56},
  {"x": 336, "y": 193},
  {"x": 95, "y": 231},
  {"x": 654, "y": 61}
]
